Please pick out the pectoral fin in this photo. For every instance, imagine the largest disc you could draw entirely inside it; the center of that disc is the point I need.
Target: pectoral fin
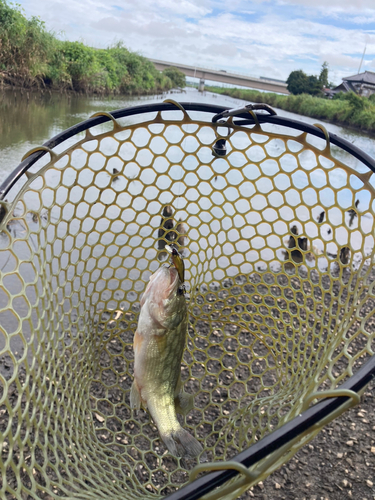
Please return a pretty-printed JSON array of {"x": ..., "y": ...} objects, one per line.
[
  {"x": 184, "y": 402},
  {"x": 135, "y": 396}
]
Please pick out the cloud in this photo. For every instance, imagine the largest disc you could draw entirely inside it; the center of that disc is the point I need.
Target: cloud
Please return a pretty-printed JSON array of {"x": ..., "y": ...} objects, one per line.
[
  {"x": 155, "y": 28},
  {"x": 258, "y": 37},
  {"x": 334, "y": 5}
]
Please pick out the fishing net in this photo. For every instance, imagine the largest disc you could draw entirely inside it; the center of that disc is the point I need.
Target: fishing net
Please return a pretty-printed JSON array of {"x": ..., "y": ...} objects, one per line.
[{"x": 276, "y": 226}]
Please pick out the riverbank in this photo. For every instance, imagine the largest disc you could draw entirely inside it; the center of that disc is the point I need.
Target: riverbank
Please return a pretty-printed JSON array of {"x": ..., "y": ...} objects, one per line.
[
  {"x": 349, "y": 110},
  {"x": 31, "y": 57}
]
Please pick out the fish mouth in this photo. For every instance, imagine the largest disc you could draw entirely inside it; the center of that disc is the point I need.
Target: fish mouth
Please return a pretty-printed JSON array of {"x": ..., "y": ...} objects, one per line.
[
  {"x": 174, "y": 278},
  {"x": 168, "y": 283}
]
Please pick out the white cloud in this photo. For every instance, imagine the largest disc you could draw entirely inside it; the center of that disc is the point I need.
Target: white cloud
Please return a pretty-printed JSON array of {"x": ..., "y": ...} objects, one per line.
[
  {"x": 332, "y": 5},
  {"x": 259, "y": 37}
]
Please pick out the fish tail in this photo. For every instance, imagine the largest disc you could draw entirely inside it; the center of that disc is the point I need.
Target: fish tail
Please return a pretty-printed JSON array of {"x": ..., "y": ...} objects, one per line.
[
  {"x": 182, "y": 444},
  {"x": 179, "y": 442}
]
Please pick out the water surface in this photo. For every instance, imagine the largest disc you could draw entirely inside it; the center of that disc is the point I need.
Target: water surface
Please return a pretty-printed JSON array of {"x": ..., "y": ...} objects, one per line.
[{"x": 28, "y": 120}]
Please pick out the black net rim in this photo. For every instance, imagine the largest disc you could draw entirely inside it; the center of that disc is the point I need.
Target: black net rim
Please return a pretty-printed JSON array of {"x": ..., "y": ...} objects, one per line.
[{"x": 246, "y": 119}]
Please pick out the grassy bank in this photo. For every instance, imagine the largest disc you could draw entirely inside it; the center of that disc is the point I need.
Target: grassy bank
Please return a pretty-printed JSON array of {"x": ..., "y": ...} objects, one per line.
[
  {"x": 347, "y": 109},
  {"x": 33, "y": 57}
]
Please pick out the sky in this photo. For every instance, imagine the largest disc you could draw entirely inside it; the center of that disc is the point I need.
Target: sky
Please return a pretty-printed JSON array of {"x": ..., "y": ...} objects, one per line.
[{"x": 268, "y": 38}]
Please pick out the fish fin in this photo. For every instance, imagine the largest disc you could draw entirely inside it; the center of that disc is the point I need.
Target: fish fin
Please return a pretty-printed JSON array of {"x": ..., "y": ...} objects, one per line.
[
  {"x": 184, "y": 402},
  {"x": 137, "y": 342},
  {"x": 171, "y": 445},
  {"x": 178, "y": 387},
  {"x": 182, "y": 444},
  {"x": 135, "y": 396}
]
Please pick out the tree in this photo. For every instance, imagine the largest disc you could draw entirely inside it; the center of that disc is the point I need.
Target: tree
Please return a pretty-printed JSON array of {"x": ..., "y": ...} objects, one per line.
[
  {"x": 299, "y": 83},
  {"x": 296, "y": 82},
  {"x": 314, "y": 86},
  {"x": 176, "y": 76},
  {"x": 323, "y": 77}
]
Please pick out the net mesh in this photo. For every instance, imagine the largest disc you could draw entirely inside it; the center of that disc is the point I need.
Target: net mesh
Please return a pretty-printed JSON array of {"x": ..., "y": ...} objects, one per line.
[{"x": 278, "y": 243}]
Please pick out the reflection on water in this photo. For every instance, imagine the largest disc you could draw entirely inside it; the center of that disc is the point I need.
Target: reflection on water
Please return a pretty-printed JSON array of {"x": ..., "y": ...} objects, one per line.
[{"x": 28, "y": 119}]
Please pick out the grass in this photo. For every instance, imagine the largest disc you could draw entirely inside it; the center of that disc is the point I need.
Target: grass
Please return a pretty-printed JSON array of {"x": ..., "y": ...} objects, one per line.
[
  {"x": 33, "y": 57},
  {"x": 346, "y": 109}
]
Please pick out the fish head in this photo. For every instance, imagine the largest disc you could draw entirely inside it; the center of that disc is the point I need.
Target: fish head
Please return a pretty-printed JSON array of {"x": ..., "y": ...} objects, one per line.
[
  {"x": 165, "y": 304},
  {"x": 167, "y": 282}
]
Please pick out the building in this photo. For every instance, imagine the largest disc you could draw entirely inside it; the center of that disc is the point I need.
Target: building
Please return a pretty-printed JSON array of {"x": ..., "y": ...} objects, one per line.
[{"x": 362, "y": 84}]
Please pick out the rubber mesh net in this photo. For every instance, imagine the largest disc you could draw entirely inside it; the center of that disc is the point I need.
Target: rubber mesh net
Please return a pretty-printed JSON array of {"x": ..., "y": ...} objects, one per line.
[{"x": 278, "y": 243}]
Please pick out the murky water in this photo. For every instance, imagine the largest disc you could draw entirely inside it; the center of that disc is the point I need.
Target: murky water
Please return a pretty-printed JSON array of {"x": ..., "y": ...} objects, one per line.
[{"x": 28, "y": 120}]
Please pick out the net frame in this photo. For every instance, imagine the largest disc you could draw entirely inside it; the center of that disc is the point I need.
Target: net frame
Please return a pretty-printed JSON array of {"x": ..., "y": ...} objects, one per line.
[{"x": 308, "y": 424}]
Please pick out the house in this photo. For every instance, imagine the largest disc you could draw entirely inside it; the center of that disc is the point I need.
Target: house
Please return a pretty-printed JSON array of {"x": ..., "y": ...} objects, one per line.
[{"x": 362, "y": 84}]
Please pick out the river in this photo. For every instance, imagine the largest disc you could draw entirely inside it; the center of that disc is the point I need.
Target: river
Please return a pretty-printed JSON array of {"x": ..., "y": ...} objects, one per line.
[{"x": 28, "y": 120}]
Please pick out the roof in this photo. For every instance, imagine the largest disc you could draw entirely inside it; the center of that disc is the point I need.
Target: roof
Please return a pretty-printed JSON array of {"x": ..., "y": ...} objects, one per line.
[
  {"x": 343, "y": 87},
  {"x": 365, "y": 77}
]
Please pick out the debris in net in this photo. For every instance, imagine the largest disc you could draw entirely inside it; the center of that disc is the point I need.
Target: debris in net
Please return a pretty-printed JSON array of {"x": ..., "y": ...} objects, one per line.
[
  {"x": 353, "y": 214},
  {"x": 344, "y": 255},
  {"x": 115, "y": 172},
  {"x": 166, "y": 225},
  {"x": 320, "y": 219}
]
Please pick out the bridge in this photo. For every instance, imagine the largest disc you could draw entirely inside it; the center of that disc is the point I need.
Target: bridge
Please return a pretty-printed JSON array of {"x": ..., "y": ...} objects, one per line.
[{"x": 269, "y": 84}]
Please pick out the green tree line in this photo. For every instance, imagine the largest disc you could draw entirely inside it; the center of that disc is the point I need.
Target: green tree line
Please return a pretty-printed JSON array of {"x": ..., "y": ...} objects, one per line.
[
  {"x": 347, "y": 109},
  {"x": 299, "y": 82},
  {"x": 32, "y": 56}
]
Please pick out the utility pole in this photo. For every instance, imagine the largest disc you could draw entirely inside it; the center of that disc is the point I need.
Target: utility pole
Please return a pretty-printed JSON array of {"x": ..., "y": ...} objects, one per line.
[{"x": 363, "y": 55}]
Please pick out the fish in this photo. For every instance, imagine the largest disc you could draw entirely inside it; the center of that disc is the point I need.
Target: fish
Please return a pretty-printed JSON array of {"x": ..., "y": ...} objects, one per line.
[{"x": 159, "y": 343}]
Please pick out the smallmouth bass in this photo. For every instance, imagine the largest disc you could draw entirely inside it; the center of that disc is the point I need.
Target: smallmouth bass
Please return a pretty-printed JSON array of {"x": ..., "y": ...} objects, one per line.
[{"x": 159, "y": 343}]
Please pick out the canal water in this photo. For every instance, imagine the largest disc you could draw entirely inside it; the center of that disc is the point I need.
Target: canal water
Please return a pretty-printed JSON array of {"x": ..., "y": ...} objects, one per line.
[{"x": 27, "y": 120}]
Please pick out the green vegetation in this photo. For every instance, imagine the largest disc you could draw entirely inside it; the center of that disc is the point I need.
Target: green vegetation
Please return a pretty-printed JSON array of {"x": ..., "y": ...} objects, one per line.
[
  {"x": 176, "y": 76},
  {"x": 347, "y": 109},
  {"x": 300, "y": 83},
  {"x": 307, "y": 99},
  {"x": 31, "y": 56}
]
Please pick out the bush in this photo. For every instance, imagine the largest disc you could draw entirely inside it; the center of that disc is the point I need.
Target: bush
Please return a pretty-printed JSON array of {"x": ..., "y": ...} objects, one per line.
[
  {"x": 299, "y": 83},
  {"x": 31, "y": 55},
  {"x": 25, "y": 45},
  {"x": 348, "y": 109},
  {"x": 176, "y": 76}
]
